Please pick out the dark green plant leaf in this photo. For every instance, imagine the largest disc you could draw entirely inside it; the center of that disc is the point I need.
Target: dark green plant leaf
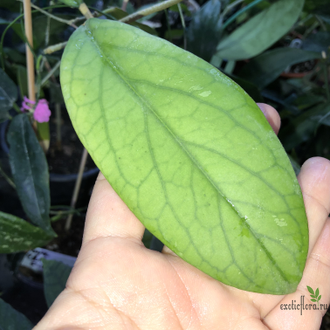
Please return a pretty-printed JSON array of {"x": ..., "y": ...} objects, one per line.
[
  {"x": 11, "y": 319},
  {"x": 268, "y": 66},
  {"x": 190, "y": 153},
  {"x": 55, "y": 274},
  {"x": 21, "y": 74},
  {"x": 310, "y": 289},
  {"x": 8, "y": 94},
  {"x": 17, "y": 234},
  {"x": 119, "y": 14},
  {"x": 204, "y": 31},
  {"x": 295, "y": 165},
  {"x": 261, "y": 31},
  {"x": 30, "y": 171},
  {"x": 249, "y": 87},
  {"x": 72, "y": 3},
  {"x": 314, "y": 300},
  {"x": 317, "y": 292},
  {"x": 317, "y": 42},
  {"x": 301, "y": 128},
  {"x": 319, "y": 298}
]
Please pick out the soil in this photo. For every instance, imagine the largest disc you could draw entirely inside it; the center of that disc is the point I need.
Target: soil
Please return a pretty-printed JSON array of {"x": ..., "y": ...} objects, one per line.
[{"x": 68, "y": 242}]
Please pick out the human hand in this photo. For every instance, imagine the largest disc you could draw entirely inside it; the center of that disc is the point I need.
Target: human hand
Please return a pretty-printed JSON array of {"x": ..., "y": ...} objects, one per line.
[{"x": 117, "y": 283}]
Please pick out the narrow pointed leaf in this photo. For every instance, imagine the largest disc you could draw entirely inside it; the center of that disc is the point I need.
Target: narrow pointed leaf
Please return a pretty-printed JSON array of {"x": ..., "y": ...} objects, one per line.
[
  {"x": 8, "y": 95},
  {"x": 30, "y": 171},
  {"x": 319, "y": 298},
  {"x": 18, "y": 235},
  {"x": 261, "y": 31},
  {"x": 72, "y": 3},
  {"x": 265, "y": 68},
  {"x": 11, "y": 319},
  {"x": 204, "y": 31},
  {"x": 190, "y": 153},
  {"x": 317, "y": 292},
  {"x": 55, "y": 275}
]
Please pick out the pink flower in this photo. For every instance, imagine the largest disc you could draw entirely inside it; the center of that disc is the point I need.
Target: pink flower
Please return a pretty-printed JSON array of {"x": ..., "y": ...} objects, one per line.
[
  {"x": 42, "y": 113},
  {"x": 27, "y": 104}
]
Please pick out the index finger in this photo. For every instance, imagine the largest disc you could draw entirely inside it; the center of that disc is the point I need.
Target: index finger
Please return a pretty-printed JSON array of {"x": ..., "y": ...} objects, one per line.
[{"x": 108, "y": 215}]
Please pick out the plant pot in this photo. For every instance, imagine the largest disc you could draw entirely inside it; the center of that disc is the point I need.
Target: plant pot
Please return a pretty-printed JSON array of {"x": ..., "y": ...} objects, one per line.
[{"x": 21, "y": 281}]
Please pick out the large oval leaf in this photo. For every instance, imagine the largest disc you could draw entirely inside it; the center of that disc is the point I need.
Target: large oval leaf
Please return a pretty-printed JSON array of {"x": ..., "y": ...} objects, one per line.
[
  {"x": 190, "y": 153},
  {"x": 261, "y": 31}
]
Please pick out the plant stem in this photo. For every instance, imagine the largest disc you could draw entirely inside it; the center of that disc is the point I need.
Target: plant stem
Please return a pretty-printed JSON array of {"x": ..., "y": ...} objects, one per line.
[
  {"x": 85, "y": 11},
  {"x": 53, "y": 16},
  {"x": 241, "y": 11},
  {"x": 58, "y": 126},
  {"x": 16, "y": 107},
  {"x": 150, "y": 10},
  {"x": 55, "y": 48},
  {"x": 124, "y": 5},
  {"x": 8, "y": 179},
  {"x": 50, "y": 72},
  {"x": 326, "y": 79},
  {"x": 184, "y": 27},
  {"x": 29, "y": 55},
  {"x": 229, "y": 7},
  {"x": 76, "y": 188}
]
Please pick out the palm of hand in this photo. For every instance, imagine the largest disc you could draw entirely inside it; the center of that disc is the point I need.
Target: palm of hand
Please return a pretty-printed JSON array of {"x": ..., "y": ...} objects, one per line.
[{"x": 119, "y": 284}]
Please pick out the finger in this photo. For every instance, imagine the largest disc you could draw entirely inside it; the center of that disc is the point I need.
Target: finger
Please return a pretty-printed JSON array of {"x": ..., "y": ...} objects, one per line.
[
  {"x": 314, "y": 179},
  {"x": 108, "y": 215},
  {"x": 316, "y": 276},
  {"x": 271, "y": 115}
]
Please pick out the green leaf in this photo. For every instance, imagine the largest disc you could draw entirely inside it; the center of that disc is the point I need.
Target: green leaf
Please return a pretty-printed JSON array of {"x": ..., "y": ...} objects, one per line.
[
  {"x": 8, "y": 94},
  {"x": 301, "y": 128},
  {"x": 119, "y": 14},
  {"x": 319, "y": 298},
  {"x": 17, "y": 234},
  {"x": 190, "y": 153},
  {"x": 317, "y": 292},
  {"x": 265, "y": 68},
  {"x": 261, "y": 31},
  {"x": 203, "y": 33},
  {"x": 55, "y": 274},
  {"x": 11, "y": 319},
  {"x": 317, "y": 42},
  {"x": 313, "y": 300},
  {"x": 249, "y": 87},
  {"x": 310, "y": 289},
  {"x": 72, "y": 3},
  {"x": 30, "y": 171}
]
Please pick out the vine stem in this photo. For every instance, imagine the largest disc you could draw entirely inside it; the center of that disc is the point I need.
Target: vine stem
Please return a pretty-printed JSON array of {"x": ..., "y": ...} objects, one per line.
[
  {"x": 76, "y": 188},
  {"x": 50, "y": 15},
  {"x": 150, "y": 10}
]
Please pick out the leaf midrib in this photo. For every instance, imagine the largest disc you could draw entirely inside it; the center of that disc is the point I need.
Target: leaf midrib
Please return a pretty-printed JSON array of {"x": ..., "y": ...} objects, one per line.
[{"x": 190, "y": 156}]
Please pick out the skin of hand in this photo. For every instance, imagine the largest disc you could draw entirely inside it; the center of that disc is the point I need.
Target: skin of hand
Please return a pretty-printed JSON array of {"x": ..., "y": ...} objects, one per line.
[{"x": 117, "y": 283}]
